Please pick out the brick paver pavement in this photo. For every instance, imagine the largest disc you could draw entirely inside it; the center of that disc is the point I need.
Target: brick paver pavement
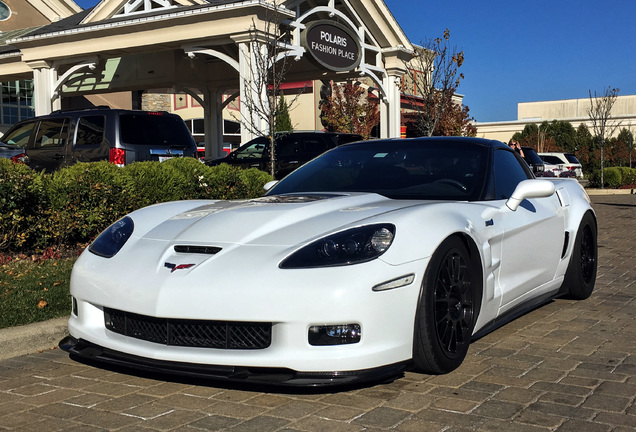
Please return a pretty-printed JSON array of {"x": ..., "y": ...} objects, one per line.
[{"x": 567, "y": 366}]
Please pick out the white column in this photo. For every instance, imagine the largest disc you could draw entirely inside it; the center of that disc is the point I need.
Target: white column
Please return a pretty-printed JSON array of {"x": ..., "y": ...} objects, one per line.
[
  {"x": 390, "y": 109},
  {"x": 214, "y": 125},
  {"x": 244, "y": 75},
  {"x": 44, "y": 79}
]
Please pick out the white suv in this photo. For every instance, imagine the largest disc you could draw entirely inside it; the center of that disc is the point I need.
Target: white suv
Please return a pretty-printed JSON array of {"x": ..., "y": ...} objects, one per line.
[{"x": 566, "y": 161}]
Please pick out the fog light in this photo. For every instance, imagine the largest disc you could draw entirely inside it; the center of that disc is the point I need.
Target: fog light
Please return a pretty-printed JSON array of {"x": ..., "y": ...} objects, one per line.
[{"x": 335, "y": 334}]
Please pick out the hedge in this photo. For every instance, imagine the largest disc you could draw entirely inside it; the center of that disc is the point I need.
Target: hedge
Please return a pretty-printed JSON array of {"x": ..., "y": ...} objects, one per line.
[
  {"x": 68, "y": 208},
  {"x": 613, "y": 177}
]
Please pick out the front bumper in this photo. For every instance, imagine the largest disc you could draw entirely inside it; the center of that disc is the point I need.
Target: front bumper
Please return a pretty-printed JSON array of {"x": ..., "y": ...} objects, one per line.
[{"x": 237, "y": 374}]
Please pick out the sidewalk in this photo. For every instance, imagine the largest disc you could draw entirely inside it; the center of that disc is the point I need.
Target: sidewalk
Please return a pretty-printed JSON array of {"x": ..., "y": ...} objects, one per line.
[{"x": 29, "y": 339}]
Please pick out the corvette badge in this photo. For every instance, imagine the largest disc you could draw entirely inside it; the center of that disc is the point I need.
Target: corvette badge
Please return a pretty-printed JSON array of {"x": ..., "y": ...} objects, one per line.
[{"x": 175, "y": 267}]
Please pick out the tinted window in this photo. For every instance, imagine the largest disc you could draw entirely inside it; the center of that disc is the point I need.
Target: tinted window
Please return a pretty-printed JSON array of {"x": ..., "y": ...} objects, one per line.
[
  {"x": 397, "y": 169},
  {"x": 52, "y": 133},
  {"x": 20, "y": 135},
  {"x": 153, "y": 129},
  {"x": 90, "y": 131},
  {"x": 288, "y": 145},
  {"x": 571, "y": 158},
  {"x": 508, "y": 173},
  {"x": 552, "y": 159},
  {"x": 252, "y": 150},
  {"x": 531, "y": 157},
  {"x": 315, "y": 146}
]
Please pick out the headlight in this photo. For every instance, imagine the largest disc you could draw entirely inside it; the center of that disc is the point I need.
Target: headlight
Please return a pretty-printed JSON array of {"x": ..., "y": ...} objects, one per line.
[
  {"x": 109, "y": 242},
  {"x": 352, "y": 246}
]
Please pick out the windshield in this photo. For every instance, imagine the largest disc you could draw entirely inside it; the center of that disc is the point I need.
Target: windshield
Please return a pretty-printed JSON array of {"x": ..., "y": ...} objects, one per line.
[
  {"x": 399, "y": 169},
  {"x": 154, "y": 129}
]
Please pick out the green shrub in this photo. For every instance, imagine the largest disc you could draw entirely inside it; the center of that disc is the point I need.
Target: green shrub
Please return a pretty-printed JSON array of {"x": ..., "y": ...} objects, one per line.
[
  {"x": 254, "y": 180},
  {"x": 612, "y": 177},
  {"x": 629, "y": 177},
  {"x": 152, "y": 183},
  {"x": 71, "y": 206},
  {"x": 594, "y": 178},
  {"x": 83, "y": 200},
  {"x": 21, "y": 196}
]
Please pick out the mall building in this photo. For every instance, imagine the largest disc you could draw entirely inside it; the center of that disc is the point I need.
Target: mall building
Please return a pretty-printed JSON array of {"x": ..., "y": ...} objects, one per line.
[
  {"x": 574, "y": 111},
  {"x": 197, "y": 58}
]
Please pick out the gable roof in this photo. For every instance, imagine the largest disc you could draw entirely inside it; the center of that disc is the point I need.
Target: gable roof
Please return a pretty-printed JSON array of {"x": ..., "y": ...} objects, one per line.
[{"x": 107, "y": 9}]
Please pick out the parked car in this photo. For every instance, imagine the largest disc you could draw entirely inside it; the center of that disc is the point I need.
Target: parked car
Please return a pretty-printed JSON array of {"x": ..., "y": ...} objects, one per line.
[
  {"x": 293, "y": 149},
  {"x": 63, "y": 138},
  {"x": 541, "y": 168},
  {"x": 12, "y": 152},
  {"x": 374, "y": 258},
  {"x": 566, "y": 161},
  {"x": 534, "y": 161}
]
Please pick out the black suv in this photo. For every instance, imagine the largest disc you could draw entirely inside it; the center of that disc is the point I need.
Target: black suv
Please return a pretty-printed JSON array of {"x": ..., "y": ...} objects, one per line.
[
  {"x": 63, "y": 138},
  {"x": 293, "y": 149},
  {"x": 534, "y": 161}
]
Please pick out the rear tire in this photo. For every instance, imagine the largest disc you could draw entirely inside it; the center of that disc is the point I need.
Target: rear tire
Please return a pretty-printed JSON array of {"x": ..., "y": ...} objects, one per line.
[
  {"x": 580, "y": 276},
  {"x": 447, "y": 309}
]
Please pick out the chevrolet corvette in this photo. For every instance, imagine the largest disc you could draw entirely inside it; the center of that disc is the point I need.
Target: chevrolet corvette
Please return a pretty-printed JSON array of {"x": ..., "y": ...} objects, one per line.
[{"x": 374, "y": 258}]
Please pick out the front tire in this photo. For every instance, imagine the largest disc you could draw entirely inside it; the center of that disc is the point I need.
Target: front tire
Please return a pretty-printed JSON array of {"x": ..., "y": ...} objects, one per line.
[
  {"x": 447, "y": 309},
  {"x": 580, "y": 276}
]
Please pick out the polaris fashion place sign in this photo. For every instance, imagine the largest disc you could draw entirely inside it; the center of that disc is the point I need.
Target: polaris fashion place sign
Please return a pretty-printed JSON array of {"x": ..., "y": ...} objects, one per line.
[{"x": 332, "y": 45}]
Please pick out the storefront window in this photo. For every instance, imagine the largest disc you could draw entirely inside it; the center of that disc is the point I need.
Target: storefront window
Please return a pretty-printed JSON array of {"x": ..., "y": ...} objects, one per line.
[{"x": 16, "y": 101}]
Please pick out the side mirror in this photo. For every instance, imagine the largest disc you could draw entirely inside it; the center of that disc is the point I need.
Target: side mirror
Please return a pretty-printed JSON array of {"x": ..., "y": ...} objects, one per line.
[
  {"x": 269, "y": 185},
  {"x": 530, "y": 189}
]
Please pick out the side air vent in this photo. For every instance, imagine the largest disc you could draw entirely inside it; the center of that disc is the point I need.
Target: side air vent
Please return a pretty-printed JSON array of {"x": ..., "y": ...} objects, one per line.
[
  {"x": 566, "y": 241},
  {"x": 191, "y": 249}
]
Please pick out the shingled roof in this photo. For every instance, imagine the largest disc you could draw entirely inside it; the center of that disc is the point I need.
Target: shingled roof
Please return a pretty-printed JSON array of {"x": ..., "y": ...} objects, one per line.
[{"x": 74, "y": 23}]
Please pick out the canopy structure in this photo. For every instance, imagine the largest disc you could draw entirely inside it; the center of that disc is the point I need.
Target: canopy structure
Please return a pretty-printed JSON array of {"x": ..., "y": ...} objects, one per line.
[{"x": 206, "y": 48}]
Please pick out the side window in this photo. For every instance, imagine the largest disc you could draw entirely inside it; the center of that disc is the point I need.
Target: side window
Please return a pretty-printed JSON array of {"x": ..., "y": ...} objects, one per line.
[
  {"x": 52, "y": 133},
  {"x": 315, "y": 146},
  {"x": 20, "y": 135},
  {"x": 288, "y": 146},
  {"x": 508, "y": 173},
  {"x": 90, "y": 131},
  {"x": 252, "y": 151}
]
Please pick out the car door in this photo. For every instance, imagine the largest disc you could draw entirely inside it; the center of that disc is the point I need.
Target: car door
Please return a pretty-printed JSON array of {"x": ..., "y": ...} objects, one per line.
[
  {"x": 48, "y": 151},
  {"x": 289, "y": 153},
  {"x": 90, "y": 143},
  {"x": 533, "y": 235}
]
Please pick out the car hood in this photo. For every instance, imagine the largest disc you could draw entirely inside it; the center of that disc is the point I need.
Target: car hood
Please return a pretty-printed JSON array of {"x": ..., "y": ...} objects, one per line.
[{"x": 273, "y": 220}]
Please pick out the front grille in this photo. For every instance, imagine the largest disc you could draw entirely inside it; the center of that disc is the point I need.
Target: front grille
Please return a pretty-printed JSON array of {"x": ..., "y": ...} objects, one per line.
[{"x": 189, "y": 333}]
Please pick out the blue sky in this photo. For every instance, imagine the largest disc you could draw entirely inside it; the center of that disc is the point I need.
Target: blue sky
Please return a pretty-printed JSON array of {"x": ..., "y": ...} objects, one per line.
[{"x": 525, "y": 51}]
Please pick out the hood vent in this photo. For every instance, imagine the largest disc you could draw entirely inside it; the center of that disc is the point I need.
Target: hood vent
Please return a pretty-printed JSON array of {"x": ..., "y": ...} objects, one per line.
[
  {"x": 295, "y": 199},
  {"x": 191, "y": 249}
]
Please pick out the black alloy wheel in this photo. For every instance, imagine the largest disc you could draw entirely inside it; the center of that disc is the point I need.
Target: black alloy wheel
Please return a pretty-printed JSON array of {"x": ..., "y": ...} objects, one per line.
[
  {"x": 447, "y": 309},
  {"x": 580, "y": 276}
]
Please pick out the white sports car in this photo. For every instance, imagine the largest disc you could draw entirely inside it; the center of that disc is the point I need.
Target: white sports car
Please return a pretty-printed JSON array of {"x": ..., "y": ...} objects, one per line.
[{"x": 375, "y": 257}]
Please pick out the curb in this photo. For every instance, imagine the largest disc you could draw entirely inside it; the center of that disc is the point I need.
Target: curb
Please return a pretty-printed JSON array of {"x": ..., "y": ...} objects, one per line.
[
  {"x": 610, "y": 191},
  {"x": 31, "y": 338}
]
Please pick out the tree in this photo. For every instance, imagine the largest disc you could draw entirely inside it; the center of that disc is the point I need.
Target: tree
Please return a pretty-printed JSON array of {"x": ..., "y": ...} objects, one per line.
[
  {"x": 600, "y": 112},
  {"x": 563, "y": 135},
  {"x": 268, "y": 60},
  {"x": 626, "y": 139},
  {"x": 585, "y": 148},
  {"x": 350, "y": 108},
  {"x": 433, "y": 77},
  {"x": 455, "y": 121},
  {"x": 282, "y": 121}
]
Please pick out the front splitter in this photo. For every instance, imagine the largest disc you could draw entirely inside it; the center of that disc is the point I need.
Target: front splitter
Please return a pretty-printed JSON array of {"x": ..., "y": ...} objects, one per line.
[{"x": 236, "y": 374}]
